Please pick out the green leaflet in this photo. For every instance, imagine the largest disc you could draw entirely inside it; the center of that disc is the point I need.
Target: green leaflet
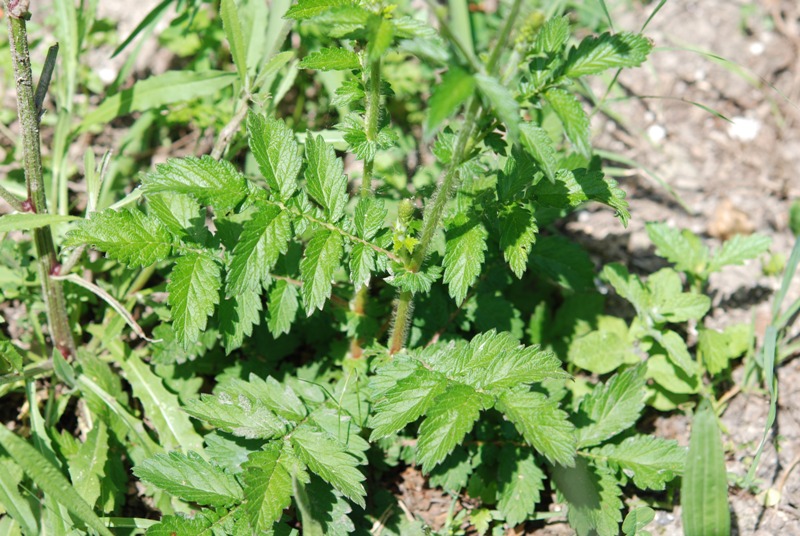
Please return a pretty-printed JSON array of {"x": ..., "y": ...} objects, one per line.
[
  {"x": 681, "y": 247},
  {"x": 447, "y": 422},
  {"x": 650, "y": 460},
  {"x": 380, "y": 34},
  {"x": 276, "y": 150},
  {"x": 362, "y": 264},
  {"x": 30, "y": 221},
  {"x": 305, "y": 9},
  {"x": 265, "y": 237},
  {"x": 575, "y": 121},
  {"x": 325, "y": 180},
  {"x": 537, "y": 142},
  {"x": 520, "y": 483},
  {"x": 321, "y": 260},
  {"x": 606, "y": 51},
  {"x": 552, "y": 36},
  {"x": 193, "y": 289},
  {"x": 464, "y": 255},
  {"x": 704, "y": 489},
  {"x": 238, "y": 415},
  {"x": 191, "y": 478},
  {"x": 282, "y": 307},
  {"x": 331, "y": 461},
  {"x": 404, "y": 403},
  {"x": 181, "y": 214},
  {"x": 611, "y": 407},
  {"x": 518, "y": 231},
  {"x": 268, "y": 484},
  {"x": 593, "y": 497},
  {"x": 128, "y": 236},
  {"x": 571, "y": 188},
  {"x": 49, "y": 479},
  {"x": 233, "y": 32},
  {"x": 369, "y": 217},
  {"x": 331, "y": 59},
  {"x": 87, "y": 466},
  {"x": 739, "y": 249},
  {"x": 541, "y": 423},
  {"x": 237, "y": 316},
  {"x": 212, "y": 182}
]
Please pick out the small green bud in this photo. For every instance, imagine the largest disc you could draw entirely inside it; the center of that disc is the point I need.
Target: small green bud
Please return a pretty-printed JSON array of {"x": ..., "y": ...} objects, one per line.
[{"x": 405, "y": 212}]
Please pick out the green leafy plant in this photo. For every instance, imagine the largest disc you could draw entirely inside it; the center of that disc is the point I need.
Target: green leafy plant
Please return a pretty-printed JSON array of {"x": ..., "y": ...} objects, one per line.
[{"x": 316, "y": 311}]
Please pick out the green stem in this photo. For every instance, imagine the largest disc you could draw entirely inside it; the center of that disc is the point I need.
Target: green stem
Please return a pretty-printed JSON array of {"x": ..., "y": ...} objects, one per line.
[
  {"x": 32, "y": 160},
  {"x": 434, "y": 212},
  {"x": 372, "y": 113},
  {"x": 11, "y": 199}
]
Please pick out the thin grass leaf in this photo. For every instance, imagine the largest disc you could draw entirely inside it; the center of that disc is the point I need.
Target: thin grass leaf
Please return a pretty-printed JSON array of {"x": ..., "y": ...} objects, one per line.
[{"x": 229, "y": 12}]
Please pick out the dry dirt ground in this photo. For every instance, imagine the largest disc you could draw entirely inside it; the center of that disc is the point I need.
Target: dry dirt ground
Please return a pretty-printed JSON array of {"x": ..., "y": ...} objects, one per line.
[{"x": 730, "y": 177}]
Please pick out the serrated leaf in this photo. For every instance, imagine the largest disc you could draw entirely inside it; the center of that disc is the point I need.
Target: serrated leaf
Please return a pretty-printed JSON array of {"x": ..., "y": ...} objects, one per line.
[
  {"x": 276, "y": 150},
  {"x": 191, "y": 478},
  {"x": 738, "y": 249},
  {"x": 237, "y": 315},
  {"x": 503, "y": 102},
  {"x": 306, "y": 9},
  {"x": 564, "y": 261},
  {"x": 611, "y": 407},
  {"x": 540, "y": 421},
  {"x": 369, "y": 217},
  {"x": 325, "y": 178},
  {"x": 229, "y": 13},
  {"x": 677, "y": 351},
  {"x": 518, "y": 231},
  {"x": 520, "y": 483},
  {"x": 605, "y": 349},
  {"x": 453, "y": 473},
  {"x": 193, "y": 292},
  {"x": 321, "y": 260},
  {"x": 409, "y": 398},
  {"x": 681, "y": 247},
  {"x": 282, "y": 307},
  {"x": 267, "y": 479},
  {"x": 537, "y": 142},
  {"x": 331, "y": 59},
  {"x": 669, "y": 303},
  {"x": 716, "y": 349},
  {"x": 214, "y": 183},
  {"x": 456, "y": 87},
  {"x": 704, "y": 488},
  {"x": 573, "y": 118},
  {"x": 29, "y": 221},
  {"x": 240, "y": 416},
  {"x": 673, "y": 378},
  {"x": 162, "y": 408},
  {"x": 571, "y": 188},
  {"x": 50, "y": 479},
  {"x": 265, "y": 237},
  {"x": 362, "y": 264},
  {"x": 628, "y": 286},
  {"x": 128, "y": 236},
  {"x": 552, "y": 36},
  {"x": 447, "y": 422},
  {"x": 181, "y": 214},
  {"x": 593, "y": 497},
  {"x": 463, "y": 256},
  {"x": 202, "y": 524},
  {"x": 414, "y": 282},
  {"x": 331, "y": 461},
  {"x": 650, "y": 461},
  {"x": 278, "y": 398},
  {"x": 607, "y": 51}
]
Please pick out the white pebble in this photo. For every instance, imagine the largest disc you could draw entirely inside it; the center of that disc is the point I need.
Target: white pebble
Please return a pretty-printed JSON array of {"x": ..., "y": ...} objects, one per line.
[
  {"x": 744, "y": 129},
  {"x": 757, "y": 48},
  {"x": 656, "y": 133}
]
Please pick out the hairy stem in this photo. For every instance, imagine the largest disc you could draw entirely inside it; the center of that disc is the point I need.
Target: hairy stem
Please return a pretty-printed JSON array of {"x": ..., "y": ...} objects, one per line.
[
  {"x": 11, "y": 199},
  {"x": 32, "y": 161},
  {"x": 372, "y": 112},
  {"x": 434, "y": 211}
]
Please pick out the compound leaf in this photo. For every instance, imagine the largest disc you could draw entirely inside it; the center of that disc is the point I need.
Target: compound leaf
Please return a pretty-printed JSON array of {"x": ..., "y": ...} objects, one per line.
[
  {"x": 193, "y": 292},
  {"x": 191, "y": 478},
  {"x": 739, "y": 249},
  {"x": 129, "y": 236},
  {"x": 571, "y": 188},
  {"x": 681, "y": 247},
  {"x": 406, "y": 401},
  {"x": 240, "y": 415}
]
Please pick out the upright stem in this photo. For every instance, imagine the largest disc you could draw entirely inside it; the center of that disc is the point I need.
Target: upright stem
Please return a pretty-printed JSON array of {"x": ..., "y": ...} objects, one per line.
[
  {"x": 372, "y": 113},
  {"x": 32, "y": 160},
  {"x": 434, "y": 212}
]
